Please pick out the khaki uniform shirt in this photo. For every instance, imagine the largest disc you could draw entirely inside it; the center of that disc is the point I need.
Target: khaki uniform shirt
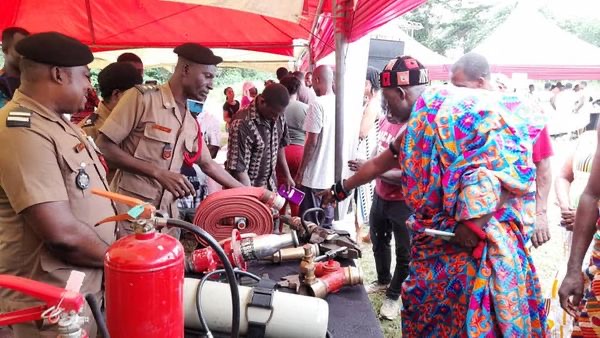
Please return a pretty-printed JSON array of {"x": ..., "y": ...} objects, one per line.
[
  {"x": 94, "y": 122},
  {"x": 91, "y": 127},
  {"x": 147, "y": 124},
  {"x": 40, "y": 160}
]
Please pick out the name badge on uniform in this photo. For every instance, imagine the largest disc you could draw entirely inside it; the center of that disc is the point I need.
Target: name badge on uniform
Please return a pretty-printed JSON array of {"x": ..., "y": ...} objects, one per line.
[
  {"x": 167, "y": 151},
  {"x": 83, "y": 179},
  {"x": 79, "y": 147}
]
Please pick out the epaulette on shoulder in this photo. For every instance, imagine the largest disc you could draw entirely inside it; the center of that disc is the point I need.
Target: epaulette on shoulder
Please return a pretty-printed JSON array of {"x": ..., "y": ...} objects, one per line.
[
  {"x": 146, "y": 88},
  {"x": 19, "y": 118}
]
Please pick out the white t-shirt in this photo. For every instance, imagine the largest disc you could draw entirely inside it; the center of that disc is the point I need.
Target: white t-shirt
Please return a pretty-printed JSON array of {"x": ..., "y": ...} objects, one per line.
[{"x": 320, "y": 119}]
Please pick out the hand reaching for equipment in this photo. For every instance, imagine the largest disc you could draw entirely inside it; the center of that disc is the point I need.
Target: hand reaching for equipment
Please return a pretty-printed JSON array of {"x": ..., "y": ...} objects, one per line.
[{"x": 175, "y": 183}]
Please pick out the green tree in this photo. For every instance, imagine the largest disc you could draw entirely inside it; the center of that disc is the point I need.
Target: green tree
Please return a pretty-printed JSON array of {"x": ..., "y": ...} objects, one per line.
[
  {"x": 159, "y": 74},
  {"x": 456, "y": 23},
  {"x": 584, "y": 28}
]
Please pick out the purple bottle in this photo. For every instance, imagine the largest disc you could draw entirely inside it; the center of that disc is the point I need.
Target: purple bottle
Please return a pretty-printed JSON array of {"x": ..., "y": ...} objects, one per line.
[{"x": 294, "y": 195}]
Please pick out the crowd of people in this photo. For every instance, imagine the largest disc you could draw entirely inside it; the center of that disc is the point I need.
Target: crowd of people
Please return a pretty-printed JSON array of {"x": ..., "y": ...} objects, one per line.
[{"x": 461, "y": 175}]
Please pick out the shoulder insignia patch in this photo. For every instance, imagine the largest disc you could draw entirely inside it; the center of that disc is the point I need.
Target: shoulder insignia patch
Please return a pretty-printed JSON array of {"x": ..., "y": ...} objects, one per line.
[
  {"x": 18, "y": 119},
  {"x": 146, "y": 88}
]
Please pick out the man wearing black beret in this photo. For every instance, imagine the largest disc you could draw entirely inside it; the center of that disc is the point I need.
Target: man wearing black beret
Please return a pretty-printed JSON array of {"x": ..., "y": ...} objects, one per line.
[
  {"x": 47, "y": 171},
  {"x": 152, "y": 131},
  {"x": 113, "y": 81}
]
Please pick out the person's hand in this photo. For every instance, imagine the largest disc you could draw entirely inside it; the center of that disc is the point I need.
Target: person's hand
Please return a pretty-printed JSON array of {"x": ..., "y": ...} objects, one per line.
[
  {"x": 175, "y": 183},
  {"x": 299, "y": 177},
  {"x": 327, "y": 198},
  {"x": 355, "y": 165},
  {"x": 464, "y": 237},
  {"x": 541, "y": 234},
  {"x": 289, "y": 182},
  {"x": 571, "y": 292},
  {"x": 567, "y": 218}
]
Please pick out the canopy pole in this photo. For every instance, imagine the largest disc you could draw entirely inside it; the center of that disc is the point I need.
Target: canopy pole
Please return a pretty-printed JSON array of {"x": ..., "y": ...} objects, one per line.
[
  {"x": 311, "y": 55},
  {"x": 341, "y": 10}
]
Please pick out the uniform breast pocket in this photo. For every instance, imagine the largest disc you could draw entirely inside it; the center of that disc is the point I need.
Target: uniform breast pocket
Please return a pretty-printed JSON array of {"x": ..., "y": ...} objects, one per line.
[{"x": 157, "y": 144}]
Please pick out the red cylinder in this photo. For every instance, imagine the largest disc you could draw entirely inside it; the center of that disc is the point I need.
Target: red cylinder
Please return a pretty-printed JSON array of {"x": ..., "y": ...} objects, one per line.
[{"x": 144, "y": 287}]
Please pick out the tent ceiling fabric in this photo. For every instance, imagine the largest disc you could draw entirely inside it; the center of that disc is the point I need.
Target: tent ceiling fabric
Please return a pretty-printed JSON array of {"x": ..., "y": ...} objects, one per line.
[
  {"x": 529, "y": 43},
  {"x": 288, "y": 10},
  {"x": 109, "y": 24},
  {"x": 231, "y": 58}
]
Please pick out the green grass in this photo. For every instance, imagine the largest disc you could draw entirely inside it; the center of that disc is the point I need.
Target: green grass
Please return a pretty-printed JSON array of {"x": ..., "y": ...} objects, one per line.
[{"x": 391, "y": 328}]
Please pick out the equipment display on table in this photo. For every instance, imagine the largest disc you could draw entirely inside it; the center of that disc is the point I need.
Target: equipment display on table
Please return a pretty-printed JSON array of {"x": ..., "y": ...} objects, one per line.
[
  {"x": 146, "y": 294},
  {"x": 326, "y": 239}
]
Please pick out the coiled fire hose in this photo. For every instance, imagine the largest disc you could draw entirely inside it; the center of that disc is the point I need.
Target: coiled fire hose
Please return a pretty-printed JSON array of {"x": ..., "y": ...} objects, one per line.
[{"x": 217, "y": 214}]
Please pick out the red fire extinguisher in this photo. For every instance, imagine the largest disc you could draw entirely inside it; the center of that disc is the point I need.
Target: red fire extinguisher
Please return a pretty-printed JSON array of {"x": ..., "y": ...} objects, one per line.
[{"x": 144, "y": 274}]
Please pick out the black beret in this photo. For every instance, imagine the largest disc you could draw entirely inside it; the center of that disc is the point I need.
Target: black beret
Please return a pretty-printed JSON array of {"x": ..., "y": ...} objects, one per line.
[
  {"x": 197, "y": 53},
  {"x": 54, "y": 49},
  {"x": 118, "y": 75}
]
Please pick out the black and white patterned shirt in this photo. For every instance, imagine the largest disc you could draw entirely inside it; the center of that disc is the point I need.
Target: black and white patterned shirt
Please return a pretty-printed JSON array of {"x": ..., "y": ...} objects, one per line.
[{"x": 253, "y": 146}]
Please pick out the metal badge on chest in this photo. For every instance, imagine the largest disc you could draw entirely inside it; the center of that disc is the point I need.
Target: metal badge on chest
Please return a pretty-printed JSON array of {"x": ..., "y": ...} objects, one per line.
[{"x": 83, "y": 179}]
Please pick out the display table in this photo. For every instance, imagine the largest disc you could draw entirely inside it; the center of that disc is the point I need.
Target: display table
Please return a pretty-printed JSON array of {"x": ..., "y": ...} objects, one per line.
[{"x": 350, "y": 311}]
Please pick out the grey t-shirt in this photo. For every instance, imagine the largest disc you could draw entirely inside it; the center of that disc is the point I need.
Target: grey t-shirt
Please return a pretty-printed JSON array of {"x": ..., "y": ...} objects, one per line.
[{"x": 295, "y": 113}]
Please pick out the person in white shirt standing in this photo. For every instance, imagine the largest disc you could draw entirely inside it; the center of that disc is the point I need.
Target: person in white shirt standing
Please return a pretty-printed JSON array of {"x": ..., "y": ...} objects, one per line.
[{"x": 317, "y": 169}]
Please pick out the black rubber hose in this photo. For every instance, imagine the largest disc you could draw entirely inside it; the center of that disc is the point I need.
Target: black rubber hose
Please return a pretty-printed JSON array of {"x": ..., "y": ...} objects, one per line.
[
  {"x": 318, "y": 220},
  {"x": 97, "y": 313},
  {"x": 199, "y": 291},
  {"x": 229, "y": 272}
]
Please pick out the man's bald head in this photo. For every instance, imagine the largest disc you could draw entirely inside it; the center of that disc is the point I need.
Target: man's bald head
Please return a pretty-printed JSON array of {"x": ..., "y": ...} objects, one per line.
[
  {"x": 472, "y": 70},
  {"x": 323, "y": 80}
]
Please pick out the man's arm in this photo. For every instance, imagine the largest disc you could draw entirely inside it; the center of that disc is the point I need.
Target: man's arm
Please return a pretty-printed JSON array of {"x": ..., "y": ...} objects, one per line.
[
  {"x": 310, "y": 147},
  {"x": 237, "y": 152},
  {"x": 176, "y": 183},
  {"x": 282, "y": 162},
  {"x": 585, "y": 227},
  {"x": 543, "y": 182},
  {"x": 374, "y": 167},
  {"x": 466, "y": 237},
  {"x": 313, "y": 125},
  {"x": 226, "y": 116},
  {"x": 64, "y": 235},
  {"x": 562, "y": 185},
  {"x": 37, "y": 190},
  {"x": 392, "y": 176},
  {"x": 213, "y": 170}
]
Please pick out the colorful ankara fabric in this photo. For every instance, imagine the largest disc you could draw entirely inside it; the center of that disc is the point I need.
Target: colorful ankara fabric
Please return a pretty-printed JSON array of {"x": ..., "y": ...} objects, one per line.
[
  {"x": 462, "y": 147},
  {"x": 587, "y": 324}
]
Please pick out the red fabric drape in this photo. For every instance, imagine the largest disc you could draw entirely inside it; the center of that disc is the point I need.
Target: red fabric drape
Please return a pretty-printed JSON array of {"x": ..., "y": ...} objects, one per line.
[
  {"x": 367, "y": 16},
  {"x": 109, "y": 24}
]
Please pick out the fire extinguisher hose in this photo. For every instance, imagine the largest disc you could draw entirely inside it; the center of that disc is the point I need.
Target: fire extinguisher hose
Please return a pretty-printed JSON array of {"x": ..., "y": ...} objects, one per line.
[
  {"x": 199, "y": 290},
  {"x": 97, "y": 313},
  {"x": 229, "y": 272},
  {"x": 254, "y": 204}
]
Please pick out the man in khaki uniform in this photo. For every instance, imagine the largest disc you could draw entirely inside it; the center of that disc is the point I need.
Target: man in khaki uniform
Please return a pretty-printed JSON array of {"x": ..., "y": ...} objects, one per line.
[
  {"x": 47, "y": 171},
  {"x": 113, "y": 81},
  {"x": 150, "y": 133}
]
